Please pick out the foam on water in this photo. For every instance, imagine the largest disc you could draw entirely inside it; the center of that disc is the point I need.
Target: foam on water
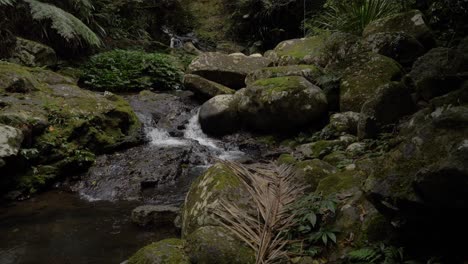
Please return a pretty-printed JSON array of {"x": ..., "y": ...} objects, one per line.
[{"x": 160, "y": 137}]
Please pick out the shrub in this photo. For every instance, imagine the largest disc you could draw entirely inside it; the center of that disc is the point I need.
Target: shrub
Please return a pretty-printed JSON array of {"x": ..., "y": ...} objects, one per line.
[
  {"x": 126, "y": 71},
  {"x": 353, "y": 16}
]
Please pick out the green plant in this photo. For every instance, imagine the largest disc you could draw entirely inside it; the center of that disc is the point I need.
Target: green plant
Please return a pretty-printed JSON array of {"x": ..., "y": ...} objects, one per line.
[
  {"x": 380, "y": 254},
  {"x": 65, "y": 24},
  {"x": 313, "y": 214},
  {"x": 352, "y": 16},
  {"x": 125, "y": 71}
]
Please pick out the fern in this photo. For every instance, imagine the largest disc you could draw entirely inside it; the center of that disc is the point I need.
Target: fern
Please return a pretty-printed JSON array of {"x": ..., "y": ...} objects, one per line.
[
  {"x": 7, "y": 2},
  {"x": 66, "y": 25},
  {"x": 365, "y": 255}
]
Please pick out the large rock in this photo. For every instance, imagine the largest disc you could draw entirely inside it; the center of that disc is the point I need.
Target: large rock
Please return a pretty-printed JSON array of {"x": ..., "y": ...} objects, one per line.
[
  {"x": 146, "y": 215},
  {"x": 399, "y": 46},
  {"x": 411, "y": 22},
  {"x": 311, "y": 172},
  {"x": 63, "y": 126},
  {"x": 391, "y": 102},
  {"x": 203, "y": 88},
  {"x": 214, "y": 244},
  {"x": 346, "y": 122},
  {"x": 363, "y": 74},
  {"x": 438, "y": 72},
  {"x": 10, "y": 141},
  {"x": 168, "y": 251},
  {"x": 310, "y": 72},
  {"x": 281, "y": 104},
  {"x": 32, "y": 54},
  {"x": 228, "y": 70},
  {"x": 219, "y": 115},
  {"x": 293, "y": 52}
]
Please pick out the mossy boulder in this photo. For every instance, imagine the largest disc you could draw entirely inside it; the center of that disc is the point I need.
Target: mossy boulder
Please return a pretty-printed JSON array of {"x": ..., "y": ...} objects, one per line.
[
  {"x": 228, "y": 70},
  {"x": 320, "y": 148},
  {"x": 215, "y": 244},
  {"x": 10, "y": 141},
  {"x": 343, "y": 181},
  {"x": 362, "y": 75},
  {"x": 438, "y": 72},
  {"x": 32, "y": 54},
  {"x": 216, "y": 184},
  {"x": 282, "y": 104},
  {"x": 292, "y": 52},
  {"x": 311, "y": 172},
  {"x": 346, "y": 122},
  {"x": 168, "y": 251},
  {"x": 410, "y": 22},
  {"x": 63, "y": 126},
  {"x": 310, "y": 72},
  {"x": 219, "y": 115},
  {"x": 403, "y": 48},
  {"x": 204, "y": 89}
]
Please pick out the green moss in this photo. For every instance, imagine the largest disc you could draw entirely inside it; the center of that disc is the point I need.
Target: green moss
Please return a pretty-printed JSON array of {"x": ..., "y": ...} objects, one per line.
[
  {"x": 287, "y": 159},
  {"x": 300, "y": 48},
  {"x": 340, "y": 181},
  {"x": 168, "y": 251}
]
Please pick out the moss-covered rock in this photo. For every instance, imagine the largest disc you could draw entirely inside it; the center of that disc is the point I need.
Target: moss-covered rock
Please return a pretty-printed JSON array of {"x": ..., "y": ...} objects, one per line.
[
  {"x": 63, "y": 125},
  {"x": 320, "y": 148},
  {"x": 310, "y": 72},
  {"x": 311, "y": 172},
  {"x": 10, "y": 141},
  {"x": 345, "y": 122},
  {"x": 410, "y": 22},
  {"x": 438, "y": 72},
  {"x": 281, "y": 104},
  {"x": 361, "y": 77},
  {"x": 168, "y": 251},
  {"x": 214, "y": 244},
  {"x": 343, "y": 181},
  {"x": 205, "y": 194},
  {"x": 228, "y": 70},
  {"x": 203, "y": 88},
  {"x": 292, "y": 52},
  {"x": 33, "y": 54}
]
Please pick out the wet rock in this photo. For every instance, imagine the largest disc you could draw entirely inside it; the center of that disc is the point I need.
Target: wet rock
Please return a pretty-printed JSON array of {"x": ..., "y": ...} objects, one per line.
[
  {"x": 167, "y": 251},
  {"x": 228, "y": 70},
  {"x": 10, "y": 141},
  {"x": 310, "y": 72},
  {"x": 213, "y": 244},
  {"x": 319, "y": 149},
  {"x": 346, "y": 122},
  {"x": 281, "y": 104},
  {"x": 203, "y": 88},
  {"x": 357, "y": 147},
  {"x": 438, "y": 72},
  {"x": 358, "y": 86},
  {"x": 411, "y": 23},
  {"x": 154, "y": 215},
  {"x": 399, "y": 46},
  {"x": 32, "y": 54},
  {"x": 219, "y": 115}
]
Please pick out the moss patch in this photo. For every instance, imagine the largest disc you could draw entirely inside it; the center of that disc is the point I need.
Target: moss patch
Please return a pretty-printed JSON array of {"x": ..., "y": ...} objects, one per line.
[{"x": 168, "y": 251}]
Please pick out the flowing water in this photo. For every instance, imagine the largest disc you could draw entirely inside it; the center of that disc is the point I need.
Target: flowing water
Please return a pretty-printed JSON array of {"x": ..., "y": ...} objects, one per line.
[{"x": 92, "y": 224}]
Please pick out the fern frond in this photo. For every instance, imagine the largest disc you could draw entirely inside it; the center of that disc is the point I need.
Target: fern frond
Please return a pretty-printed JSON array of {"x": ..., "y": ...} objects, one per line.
[
  {"x": 7, "y": 2},
  {"x": 66, "y": 25},
  {"x": 273, "y": 190}
]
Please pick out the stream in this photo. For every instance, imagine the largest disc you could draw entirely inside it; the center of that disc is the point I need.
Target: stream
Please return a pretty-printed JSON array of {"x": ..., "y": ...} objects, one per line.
[{"x": 87, "y": 218}]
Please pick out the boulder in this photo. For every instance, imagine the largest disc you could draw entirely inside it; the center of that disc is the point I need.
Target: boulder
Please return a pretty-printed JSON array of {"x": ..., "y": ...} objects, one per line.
[
  {"x": 63, "y": 126},
  {"x": 214, "y": 244},
  {"x": 32, "y": 54},
  {"x": 362, "y": 75},
  {"x": 219, "y": 116},
  {"x": 411, "y": 23},
  {"x": 391, "y": 102},
  {"x": 310, "y": 72},
  {"x": 281, "y": 104},
  {"x": 399, "y": 46},
  {"x": 167, "y": 251},
  {"x": 311, "y": 172},
  {"x": 228, "y": 70},
  {"x": 346, "y": 122},
  {"x": 203, "y": 88},
  {"x": 319, "y": 149},
  {"x": 293, "y": 52},
  {"x": 156, "y": 215},
  {"x": 438, "y": 72},
  {"x": 10, "y": 141}
]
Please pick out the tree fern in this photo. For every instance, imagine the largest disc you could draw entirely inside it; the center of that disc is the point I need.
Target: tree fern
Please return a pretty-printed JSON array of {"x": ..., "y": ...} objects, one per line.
[{"x": 66, "y": 25}]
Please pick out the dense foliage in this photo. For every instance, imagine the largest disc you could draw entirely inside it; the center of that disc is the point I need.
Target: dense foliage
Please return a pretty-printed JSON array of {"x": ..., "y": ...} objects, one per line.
[{"x": 125, "y": 71}]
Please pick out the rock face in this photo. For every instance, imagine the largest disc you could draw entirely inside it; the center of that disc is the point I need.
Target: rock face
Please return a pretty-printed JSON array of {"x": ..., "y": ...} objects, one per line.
[
  {"x": 281, "y": 104},
  {"x": 219, "y": 115},
  {"x": 63, "y": 126},
  {"x": 168, "y": 251},
  {"x": 411, "y": 23},
  {"x": 399, "y": 46},
  {"x": 364, "y": 74},
  {"x": 438, "y": 72},
  {"x": 310, "y": 72},
  {"x": 203, "y": 88},
  {"x": 146, "y": 215},
  {"x": 228, "y": 70},
  {"x": 32, "y": 54}
]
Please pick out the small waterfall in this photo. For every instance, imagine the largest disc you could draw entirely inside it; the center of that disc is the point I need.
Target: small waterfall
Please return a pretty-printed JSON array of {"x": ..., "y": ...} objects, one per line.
[
  {"x": 160, "y": 137},
  {"x": 194, "y": 132}
]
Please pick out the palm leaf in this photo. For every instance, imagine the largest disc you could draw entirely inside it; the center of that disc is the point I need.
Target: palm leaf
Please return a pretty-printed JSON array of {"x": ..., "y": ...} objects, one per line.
[{"x": 273, "y": 191}]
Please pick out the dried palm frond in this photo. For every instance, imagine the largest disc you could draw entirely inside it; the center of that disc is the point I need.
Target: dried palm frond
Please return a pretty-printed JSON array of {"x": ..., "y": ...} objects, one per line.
[{"x": 273, "y": 190}]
